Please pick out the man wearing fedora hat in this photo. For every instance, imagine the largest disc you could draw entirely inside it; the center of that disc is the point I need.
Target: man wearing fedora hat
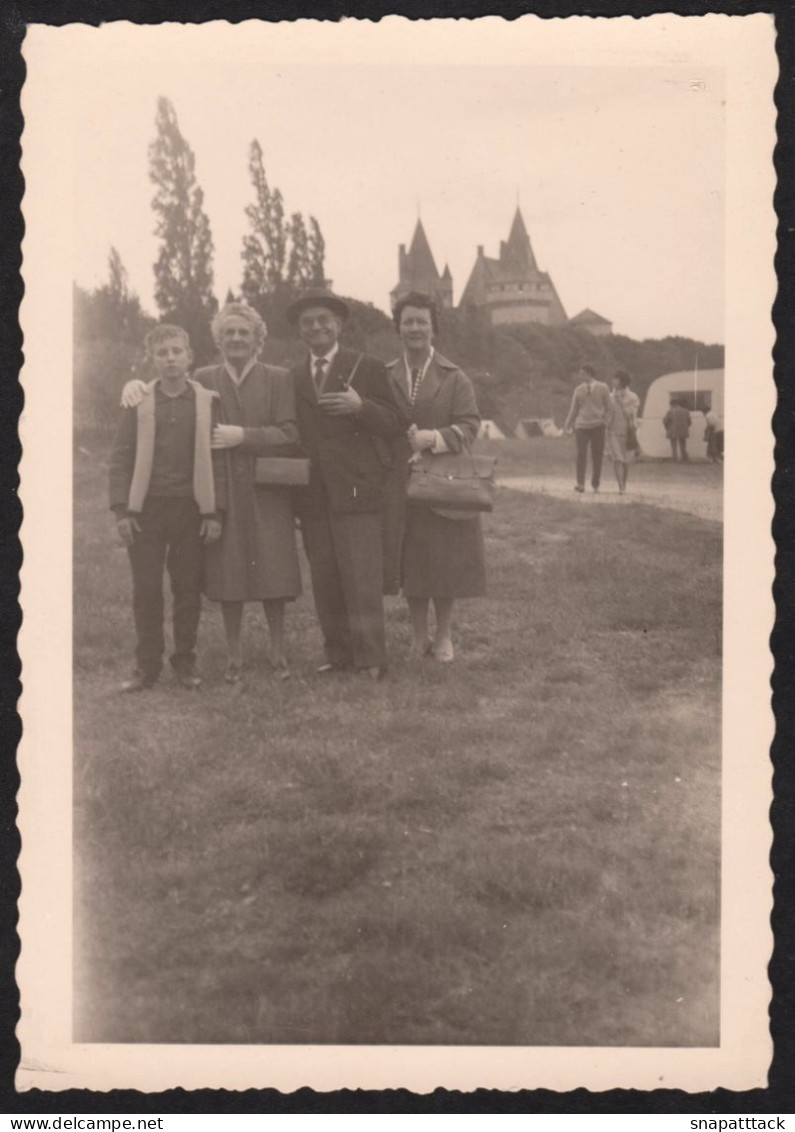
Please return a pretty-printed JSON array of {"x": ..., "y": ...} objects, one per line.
[{"x": 345, "y": 411}]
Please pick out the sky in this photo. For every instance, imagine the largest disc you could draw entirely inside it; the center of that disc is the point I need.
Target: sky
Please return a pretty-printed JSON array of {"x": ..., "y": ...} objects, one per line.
[{"x": 619, "y": 171}]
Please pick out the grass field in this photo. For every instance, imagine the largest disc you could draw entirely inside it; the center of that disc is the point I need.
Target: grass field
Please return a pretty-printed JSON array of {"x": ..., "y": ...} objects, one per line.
[
  {"x": 548, "y": 456},
  {"x": 520, "y": 848}
]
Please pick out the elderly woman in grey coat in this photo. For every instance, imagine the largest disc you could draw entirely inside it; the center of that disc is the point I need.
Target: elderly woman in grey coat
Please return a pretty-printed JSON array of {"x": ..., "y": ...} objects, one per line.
[
  {"x": 256, "y": 558},
  {"x": 441, "y": 556}
]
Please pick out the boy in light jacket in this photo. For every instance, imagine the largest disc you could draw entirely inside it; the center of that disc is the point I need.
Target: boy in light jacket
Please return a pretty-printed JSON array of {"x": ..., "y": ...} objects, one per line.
[{"x": 168, "y": 494}]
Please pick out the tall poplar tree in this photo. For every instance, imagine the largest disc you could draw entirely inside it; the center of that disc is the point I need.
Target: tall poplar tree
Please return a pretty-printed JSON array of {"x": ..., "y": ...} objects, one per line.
[
  {"x": 317, "y": 254},
  {"x": 184, "y": 267},
  {"x": 118, "y": 281},
  {"x": 265, "y": 246},
  {"x": 116, "y": 310},
  {"x": 298, "y": 266}
]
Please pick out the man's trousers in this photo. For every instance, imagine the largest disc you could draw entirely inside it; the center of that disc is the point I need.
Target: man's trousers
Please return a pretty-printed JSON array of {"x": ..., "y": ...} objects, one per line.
[
  {"x": 346, "y": 562},
  {"x": 596, "y": 438},
  {"x": 169, "y": 538}
]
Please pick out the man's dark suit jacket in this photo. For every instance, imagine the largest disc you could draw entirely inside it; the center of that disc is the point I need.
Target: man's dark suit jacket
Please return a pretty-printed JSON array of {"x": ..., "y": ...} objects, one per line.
[{"x": 349, "y": 459}]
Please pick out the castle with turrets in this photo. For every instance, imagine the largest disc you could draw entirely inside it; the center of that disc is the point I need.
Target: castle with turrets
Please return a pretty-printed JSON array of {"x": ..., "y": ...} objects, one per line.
[{"x": 510, "y": 288}]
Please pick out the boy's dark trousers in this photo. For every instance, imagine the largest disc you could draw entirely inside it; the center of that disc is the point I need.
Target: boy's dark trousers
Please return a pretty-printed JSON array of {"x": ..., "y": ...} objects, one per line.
[
  {"x": 596, "y": 438},
  {"x": 169, "y": 537}
]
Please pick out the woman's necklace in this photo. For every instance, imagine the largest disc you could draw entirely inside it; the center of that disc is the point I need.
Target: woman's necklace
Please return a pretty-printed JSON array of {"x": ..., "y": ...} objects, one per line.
[{"x": 417, "y": 378}]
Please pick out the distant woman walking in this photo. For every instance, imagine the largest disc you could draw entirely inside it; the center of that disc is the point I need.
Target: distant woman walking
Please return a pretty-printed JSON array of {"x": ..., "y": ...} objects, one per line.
[{"x": 621, "y": 427}]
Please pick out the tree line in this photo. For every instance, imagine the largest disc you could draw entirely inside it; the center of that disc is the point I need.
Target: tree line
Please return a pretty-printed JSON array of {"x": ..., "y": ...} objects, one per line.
[{"x": 518, "y": 370}]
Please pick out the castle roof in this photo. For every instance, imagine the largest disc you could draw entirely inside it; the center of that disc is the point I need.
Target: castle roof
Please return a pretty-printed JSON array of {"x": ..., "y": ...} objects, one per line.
[
  {"x": 420, "y": 261},
  {"x": 488, "y": 270},
  {"x": 588, "y": 317},
  {"x": 516, "y": 267},
  {"x": 517, "y": 252}
]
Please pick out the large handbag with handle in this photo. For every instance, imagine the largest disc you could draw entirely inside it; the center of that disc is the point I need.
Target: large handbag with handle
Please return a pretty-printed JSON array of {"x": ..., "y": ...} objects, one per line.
[
  {"x": 453, "y": 481},
  {"x": 281, "y": 471}
]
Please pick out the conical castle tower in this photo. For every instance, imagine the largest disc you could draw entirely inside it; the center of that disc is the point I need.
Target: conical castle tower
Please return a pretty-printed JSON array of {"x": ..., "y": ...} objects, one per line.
[
  {"x": 512, "y": 288},
  {"x": 417, "y": 272}
]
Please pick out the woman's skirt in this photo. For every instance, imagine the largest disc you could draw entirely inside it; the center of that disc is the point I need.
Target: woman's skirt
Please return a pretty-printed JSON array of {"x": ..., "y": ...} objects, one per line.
[
  {"x": 442, "y": 558},
  {"x": 617, "y": 447}
]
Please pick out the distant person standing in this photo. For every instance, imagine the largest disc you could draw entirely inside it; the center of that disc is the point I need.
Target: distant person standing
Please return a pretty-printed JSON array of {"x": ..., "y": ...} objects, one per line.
[
  {"x": 590, "y": 411},
  {"x": 677, "y": 428},
  {"x": 622, "y": 426},
  {"x": 713, "y": 434}
]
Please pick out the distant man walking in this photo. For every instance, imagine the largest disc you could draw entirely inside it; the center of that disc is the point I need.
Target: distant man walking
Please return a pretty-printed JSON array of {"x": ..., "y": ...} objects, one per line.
[
  {"x": 589, "y": 414},
  {"x": 677, "y": 428}
]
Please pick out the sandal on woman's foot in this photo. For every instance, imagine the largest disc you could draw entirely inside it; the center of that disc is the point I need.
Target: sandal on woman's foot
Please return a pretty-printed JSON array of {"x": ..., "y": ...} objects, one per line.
[
  {"x": 281, "y": 668},
  {"x": 444, "y": 653},
  {"x": 233, "y": 672}
]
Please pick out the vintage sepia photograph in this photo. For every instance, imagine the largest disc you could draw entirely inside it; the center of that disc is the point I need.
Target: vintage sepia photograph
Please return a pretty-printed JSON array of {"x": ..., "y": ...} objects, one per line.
[{"x": 401, "y": 448}]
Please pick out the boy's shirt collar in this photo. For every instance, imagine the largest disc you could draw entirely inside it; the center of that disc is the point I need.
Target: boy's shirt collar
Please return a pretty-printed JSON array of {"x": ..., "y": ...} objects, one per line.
[{"x": 161, "y": 393}]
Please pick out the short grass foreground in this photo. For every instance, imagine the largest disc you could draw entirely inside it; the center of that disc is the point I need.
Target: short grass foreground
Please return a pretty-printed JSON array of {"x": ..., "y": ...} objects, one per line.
[{"x": 520, "y": 848}]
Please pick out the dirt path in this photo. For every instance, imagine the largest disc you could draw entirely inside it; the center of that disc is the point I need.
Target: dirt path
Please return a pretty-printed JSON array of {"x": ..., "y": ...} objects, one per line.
[{"x": 702, "y": 499}]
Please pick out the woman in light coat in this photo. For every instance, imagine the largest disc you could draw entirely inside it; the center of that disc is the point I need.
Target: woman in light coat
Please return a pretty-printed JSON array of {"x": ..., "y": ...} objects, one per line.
[
  {"x": 441, "y": 558},
  {"x": 623, "y": 417}
]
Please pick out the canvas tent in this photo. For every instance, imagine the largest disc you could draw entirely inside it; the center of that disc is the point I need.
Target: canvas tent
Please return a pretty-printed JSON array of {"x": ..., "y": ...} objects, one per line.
[
  {"x": 537, "y": 426},
  {"x": 697, "y": 390},
  {"x": 490, "y": 431}
]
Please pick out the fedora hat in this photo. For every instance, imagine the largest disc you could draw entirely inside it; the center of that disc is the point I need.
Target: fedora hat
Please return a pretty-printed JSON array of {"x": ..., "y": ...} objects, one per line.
[{"x": 316, "y": 297}]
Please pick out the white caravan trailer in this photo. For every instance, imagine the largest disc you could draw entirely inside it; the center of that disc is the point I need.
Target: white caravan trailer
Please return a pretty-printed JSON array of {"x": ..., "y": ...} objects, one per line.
[{"x": 697, "y": 391}]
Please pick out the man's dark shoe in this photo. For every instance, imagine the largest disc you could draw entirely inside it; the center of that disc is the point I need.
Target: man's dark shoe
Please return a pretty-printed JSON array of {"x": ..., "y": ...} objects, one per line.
[{"x": 138, "y": 682}]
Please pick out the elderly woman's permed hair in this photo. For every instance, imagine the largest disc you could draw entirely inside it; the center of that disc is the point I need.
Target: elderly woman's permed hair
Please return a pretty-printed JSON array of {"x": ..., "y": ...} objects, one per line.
[{"x": 240, "y": 310}]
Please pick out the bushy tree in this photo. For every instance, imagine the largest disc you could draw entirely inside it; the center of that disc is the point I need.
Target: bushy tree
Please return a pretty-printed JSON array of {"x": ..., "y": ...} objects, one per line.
[
  {"x": 109, "y": 332},
  {"x": 184, "y": 267}
]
